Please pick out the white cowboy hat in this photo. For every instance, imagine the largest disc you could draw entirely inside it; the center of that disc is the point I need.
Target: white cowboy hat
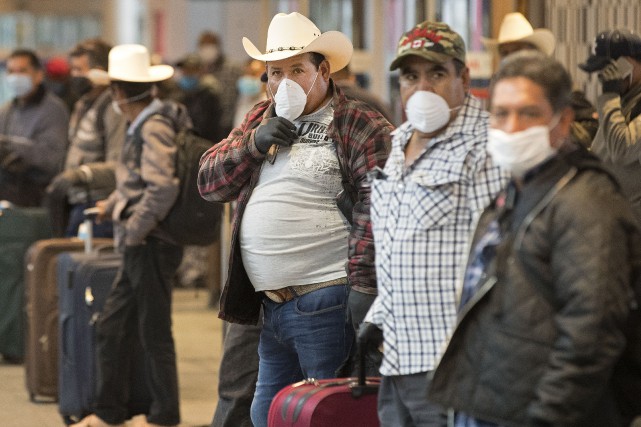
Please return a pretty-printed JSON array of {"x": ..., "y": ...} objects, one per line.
[
  {"x": 516, "y": 28},
  {"x": 294, "y": 34},
  {"x": 131, "y": 63}
]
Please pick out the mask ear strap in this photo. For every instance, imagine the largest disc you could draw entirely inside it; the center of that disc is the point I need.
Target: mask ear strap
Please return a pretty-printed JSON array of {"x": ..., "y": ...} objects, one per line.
[
  {"x": 313, "y": 83},
  {"x": 269, "y": 86}
]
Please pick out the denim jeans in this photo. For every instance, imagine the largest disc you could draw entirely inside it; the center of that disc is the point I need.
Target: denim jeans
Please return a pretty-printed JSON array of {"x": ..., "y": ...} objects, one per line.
[
  {"x": 307, "y": 337},
  {"x": 139, "y": 303}
]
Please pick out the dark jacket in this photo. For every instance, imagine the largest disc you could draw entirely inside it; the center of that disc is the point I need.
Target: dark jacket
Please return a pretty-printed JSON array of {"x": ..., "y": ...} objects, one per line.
[
  {"x": 34, "y": 134},
  {"x": 537, "y": 343},
  {"x": 230, "y": 170}
]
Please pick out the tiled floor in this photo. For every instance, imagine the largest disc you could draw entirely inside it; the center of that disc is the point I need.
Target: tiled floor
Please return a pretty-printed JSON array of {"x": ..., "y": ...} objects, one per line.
[{"x": 197, "y": 332}]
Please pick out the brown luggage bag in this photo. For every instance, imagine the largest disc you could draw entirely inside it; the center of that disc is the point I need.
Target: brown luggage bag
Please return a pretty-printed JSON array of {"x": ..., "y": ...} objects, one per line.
[{"x": 41, "y": 306}]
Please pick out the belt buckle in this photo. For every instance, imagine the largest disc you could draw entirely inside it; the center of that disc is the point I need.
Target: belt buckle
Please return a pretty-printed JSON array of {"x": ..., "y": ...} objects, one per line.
[{"x": 280, "y": 295}]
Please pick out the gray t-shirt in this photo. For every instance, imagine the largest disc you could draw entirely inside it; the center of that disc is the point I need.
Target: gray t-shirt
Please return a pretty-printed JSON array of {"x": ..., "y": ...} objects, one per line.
[{"x": 292, "y": 232}]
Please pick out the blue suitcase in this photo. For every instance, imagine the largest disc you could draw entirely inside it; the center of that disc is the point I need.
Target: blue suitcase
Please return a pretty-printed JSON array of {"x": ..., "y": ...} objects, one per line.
[{"x": 84, "y": 283}]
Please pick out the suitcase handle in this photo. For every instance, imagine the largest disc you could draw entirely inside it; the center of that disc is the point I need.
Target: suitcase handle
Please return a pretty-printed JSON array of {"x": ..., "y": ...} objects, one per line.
[{"x": 362, "y": 388}]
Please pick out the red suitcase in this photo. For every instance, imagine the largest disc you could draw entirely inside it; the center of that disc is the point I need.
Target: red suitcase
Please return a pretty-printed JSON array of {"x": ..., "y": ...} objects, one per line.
[{"x": 336, "y": 402}]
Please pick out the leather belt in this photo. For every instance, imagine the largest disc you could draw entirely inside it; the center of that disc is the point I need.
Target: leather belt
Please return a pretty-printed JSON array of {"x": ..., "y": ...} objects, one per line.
[{"x": 291, "y": 292}]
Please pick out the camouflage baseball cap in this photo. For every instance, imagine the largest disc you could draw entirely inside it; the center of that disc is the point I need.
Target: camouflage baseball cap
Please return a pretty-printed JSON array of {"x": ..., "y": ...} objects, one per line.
[{"x": 434, "y": 41}]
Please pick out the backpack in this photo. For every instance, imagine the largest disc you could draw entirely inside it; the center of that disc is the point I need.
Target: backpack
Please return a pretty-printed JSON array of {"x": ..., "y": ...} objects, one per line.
[{"x": 192, "y": 220}]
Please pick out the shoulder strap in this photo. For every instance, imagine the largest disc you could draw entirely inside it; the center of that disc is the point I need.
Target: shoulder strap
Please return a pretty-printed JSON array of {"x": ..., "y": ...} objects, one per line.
[
  {"x": 100, "y": 116},
  {"x": 636, "y": 111}
]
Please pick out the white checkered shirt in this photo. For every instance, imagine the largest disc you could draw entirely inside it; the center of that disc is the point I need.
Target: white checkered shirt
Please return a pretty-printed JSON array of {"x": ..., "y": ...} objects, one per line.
[{"x": 423, "y": 219}]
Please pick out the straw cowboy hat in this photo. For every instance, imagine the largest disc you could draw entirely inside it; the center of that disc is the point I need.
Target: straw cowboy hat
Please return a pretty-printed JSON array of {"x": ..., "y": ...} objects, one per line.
[
  {"x": 131, "y": 63},
  {"x": 294, "y": 34},
  {"x": 516, "y": 28}
]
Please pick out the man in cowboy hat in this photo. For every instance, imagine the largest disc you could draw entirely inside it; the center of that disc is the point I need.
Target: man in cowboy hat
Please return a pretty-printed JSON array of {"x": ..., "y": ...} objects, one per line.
[
  {"x": 285, "y": 165},
  {"x": 425, "y": 203},
  {"x": 139, "y": 306},
  {"x": 516, "y": 33},
  {"x": 616, "y": 56}
]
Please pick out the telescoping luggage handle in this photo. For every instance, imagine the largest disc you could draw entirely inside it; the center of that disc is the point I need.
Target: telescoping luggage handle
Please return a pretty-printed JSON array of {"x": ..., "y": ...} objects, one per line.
[
  {"x": 359, "y": 387},
  {"x": 85, "y": 230}
]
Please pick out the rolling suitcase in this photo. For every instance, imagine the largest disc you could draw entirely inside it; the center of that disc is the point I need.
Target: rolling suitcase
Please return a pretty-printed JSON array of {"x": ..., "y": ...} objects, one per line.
[
  {"x": 41, "y": 306},
  {"x": 337, "y": 402},
  {"x": 84, "y": 283},
  {"x": 19, "y": 228}
]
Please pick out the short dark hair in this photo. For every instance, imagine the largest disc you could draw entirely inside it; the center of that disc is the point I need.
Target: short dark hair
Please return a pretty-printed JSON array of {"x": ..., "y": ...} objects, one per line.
[
  {"x": 34, "y": 61},
  {"x": 96, "y": 50},
  {"x": 316, "y": 58},
  {"x": 458, "y": 66},
  {"x": 208, "y": 37},
  {"x": 541, "y": 69},
  {"x": 132, "y": 89}
]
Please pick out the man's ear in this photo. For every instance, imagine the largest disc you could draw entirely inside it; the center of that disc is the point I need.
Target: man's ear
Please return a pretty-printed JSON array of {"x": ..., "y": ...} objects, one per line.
[
  {"x": 561, "y": 131},
  {"x": 324, "y": 69},
  {"x": 38, "y": 77},
  {"x": 466, "y": 79},
  {"x": 567, "y": 117}
]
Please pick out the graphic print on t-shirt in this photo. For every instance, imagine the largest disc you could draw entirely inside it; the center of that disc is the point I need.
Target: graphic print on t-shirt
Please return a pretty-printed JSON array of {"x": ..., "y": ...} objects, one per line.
[{"x": 314, "y": 154}]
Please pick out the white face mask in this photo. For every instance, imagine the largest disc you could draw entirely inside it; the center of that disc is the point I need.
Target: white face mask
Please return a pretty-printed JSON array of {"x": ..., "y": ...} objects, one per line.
[
  {"x": 115, "y": 104},
  {"x": 19, "y": 84},
  {"x": 427, "y": 111},
  {"x": 290, "y": 98},
  {"x": 519, "y": 152}
]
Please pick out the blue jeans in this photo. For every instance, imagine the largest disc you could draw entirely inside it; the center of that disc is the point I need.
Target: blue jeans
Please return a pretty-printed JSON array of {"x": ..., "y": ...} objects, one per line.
[{"x": 307, "y": 337}]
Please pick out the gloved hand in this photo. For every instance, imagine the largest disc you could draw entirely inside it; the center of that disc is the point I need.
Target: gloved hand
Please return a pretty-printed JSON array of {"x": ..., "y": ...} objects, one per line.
[
  {"x": 12, "y": 162},
  {"x": 370, "y": 336},
  {"x": 276, "y": 130},
  {"x": 612, "y": 78},
  {"x": 358, "y": 304},
  {"x": 65, "y": 180}
]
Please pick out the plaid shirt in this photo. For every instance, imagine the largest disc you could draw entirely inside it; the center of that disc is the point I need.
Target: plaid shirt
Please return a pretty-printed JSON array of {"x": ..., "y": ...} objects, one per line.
[
  {"x": 230, "y": 170},
  {"x": 423, "y": 218}
]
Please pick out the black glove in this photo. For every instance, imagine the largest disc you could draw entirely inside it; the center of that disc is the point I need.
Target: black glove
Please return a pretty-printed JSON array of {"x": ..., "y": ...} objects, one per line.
[
  {"x": 611, "y": 78},
  {"x": 358, "y": 304},
  {"x": 277, "y": 131},
  {"x": 370, "y": 336},
  {"x": 65, "y": 180},
  {"x": 12, "y": 163}
]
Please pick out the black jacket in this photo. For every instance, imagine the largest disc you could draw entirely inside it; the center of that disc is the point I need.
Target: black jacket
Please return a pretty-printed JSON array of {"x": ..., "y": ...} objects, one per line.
[{"x": 537, "y": 343}]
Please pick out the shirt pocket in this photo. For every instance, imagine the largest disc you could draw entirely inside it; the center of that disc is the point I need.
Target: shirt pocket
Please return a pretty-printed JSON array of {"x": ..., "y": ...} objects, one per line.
[{"x": 434, "y": 196}]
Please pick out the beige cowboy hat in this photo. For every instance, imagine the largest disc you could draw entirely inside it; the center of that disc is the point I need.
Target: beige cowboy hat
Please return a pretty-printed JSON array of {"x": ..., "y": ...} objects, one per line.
[
  {"x": 131, "y": 63},
  {"x": 294, "y": 34},
  {"x": 516, "y": 28}
]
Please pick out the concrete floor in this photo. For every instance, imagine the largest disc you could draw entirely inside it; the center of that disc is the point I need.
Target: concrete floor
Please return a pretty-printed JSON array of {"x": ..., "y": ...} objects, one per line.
[{"x": 197, "y": 332}]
